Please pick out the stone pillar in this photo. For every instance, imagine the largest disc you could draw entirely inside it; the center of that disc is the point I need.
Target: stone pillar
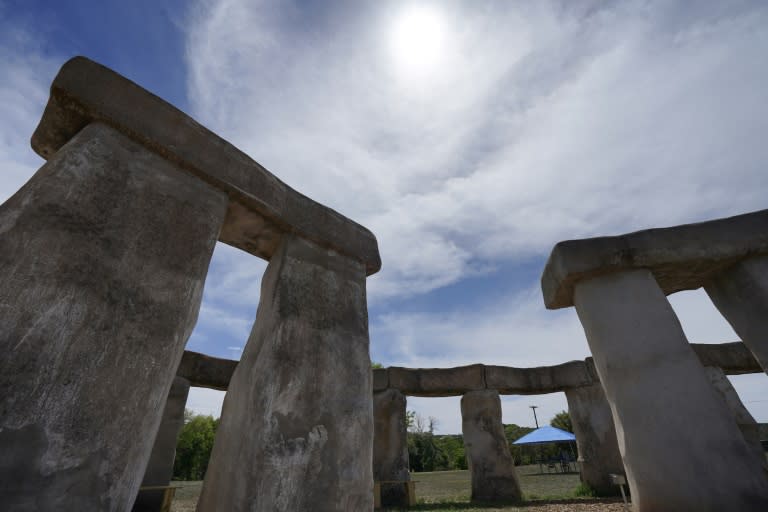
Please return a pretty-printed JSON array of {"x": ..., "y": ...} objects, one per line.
[
  {"x": 390, "y": 446},
  {"x": 103, "y": 256},
  {"x": 747, "y": 424},
  {"x": 296, "y": 431},
  {"x": 160, "y": 468},
  {"x": 599, "y": 454},
  {"x": 741, "y": 295},
  {"x": 493, "y": 471},
  {"x": 670, "y": 424}
]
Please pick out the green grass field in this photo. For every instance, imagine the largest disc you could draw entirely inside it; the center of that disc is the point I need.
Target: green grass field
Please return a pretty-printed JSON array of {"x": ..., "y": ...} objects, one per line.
[{"x": 449, "y": 491}]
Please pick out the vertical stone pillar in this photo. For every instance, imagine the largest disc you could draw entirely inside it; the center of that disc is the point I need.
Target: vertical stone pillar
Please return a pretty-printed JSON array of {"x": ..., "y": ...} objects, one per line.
[
  {"x": 296, "y": 431},
  {"x": 599, "y": 454},
  {"x": 747, "y": 424},
  {"x": 160, "y": 468},
  {"x": 741, "y": 294},
  {"x": 103, "y": 256},
  {"x": 390, "y": 446},
  {"x": 670, "y": 423},
  {"x": 493, "y": 471}
]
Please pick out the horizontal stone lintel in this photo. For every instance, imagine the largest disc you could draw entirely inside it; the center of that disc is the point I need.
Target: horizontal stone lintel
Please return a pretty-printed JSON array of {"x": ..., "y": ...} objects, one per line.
[
  {"x": 204, "y": 371},
  {"x": 680, "y": 258},
  {"x": 261, "y": 208},
  {"x": 734, "y": 359}
]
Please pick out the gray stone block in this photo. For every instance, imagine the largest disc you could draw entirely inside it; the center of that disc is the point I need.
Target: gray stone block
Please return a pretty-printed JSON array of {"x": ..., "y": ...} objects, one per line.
[
  {"x": 680, "y": 258},
  {"x": 261, "y": 207},
  {"x": 538, "y": 380},
  {"x": 390, "y": 447},
  {"x": 103, "y": 256},
  {"x": 437, "y": 381},
  {"x": 296, "y": 430},
  {"x": 490, "y": 463},
  {"x": 204, "y": 371}
]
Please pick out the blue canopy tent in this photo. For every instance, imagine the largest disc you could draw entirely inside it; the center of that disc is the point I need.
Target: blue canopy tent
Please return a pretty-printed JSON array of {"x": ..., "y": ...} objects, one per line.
[{"x": 547, "y": 434}]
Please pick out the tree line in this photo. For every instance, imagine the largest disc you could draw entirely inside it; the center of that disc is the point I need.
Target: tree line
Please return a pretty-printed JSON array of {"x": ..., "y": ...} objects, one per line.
[{"x": 427, "y": 451}]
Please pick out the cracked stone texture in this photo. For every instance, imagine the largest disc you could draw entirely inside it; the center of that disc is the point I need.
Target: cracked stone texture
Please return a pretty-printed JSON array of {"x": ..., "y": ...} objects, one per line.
[
  {"x": 666, "y": 412},
  {"x": 103, "y": 256},
  {"x": 390, "y": 446},
  {"x": 296, "y": 431},
  {"x": 493, "y": 470}
]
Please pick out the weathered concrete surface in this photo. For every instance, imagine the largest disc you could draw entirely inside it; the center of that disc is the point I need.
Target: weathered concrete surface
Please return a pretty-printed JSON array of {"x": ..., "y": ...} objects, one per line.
[
  {"x": 380, "y": 379},
  {"x": 437, "y": 381},
  {"x": 103, "y": 256},
  {"x": 261, "y": 207},
  {"x": 390, "y": 446},
  {"x": 747, "y": 424},
  {"x": 599, "y": 454},
  {"x": 733, "y": 358},
  {"x": 536, "y": 381},
  {"x": 666, "y": 412},
  {"x": 296, "y": 431},
  {"x": 160, "y": 468},
  {"x": 681, "y": 257},
  {"x": 741, "y": 295},
  {"x": 204, "y": 371},
  {"x": 492, "y": 468}
]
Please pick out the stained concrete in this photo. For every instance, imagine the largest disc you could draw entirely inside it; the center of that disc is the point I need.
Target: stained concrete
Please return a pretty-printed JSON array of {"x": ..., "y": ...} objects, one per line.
[
  {"x": 296, "y": 431},
  {"x": 741, "y": 295},
  {"x": 160, "y": 467},
  {"x": 492, "y": 468},
  {"x": 103, "y": 256},
  {"x": 680, "y": 257},
  {"x": 599, "y": 454},
  {"x": 670, "y": 422},
  {"x": 747, "y": 424},
  {"x": 733, "y": 358},
  {"x": 436, "y": 382},
  {"x": 261, "y": 208},
  {"x": 204, "y": 371},
  {"x": 538, "y": 380},
  {"x": 390, "y": 447}
]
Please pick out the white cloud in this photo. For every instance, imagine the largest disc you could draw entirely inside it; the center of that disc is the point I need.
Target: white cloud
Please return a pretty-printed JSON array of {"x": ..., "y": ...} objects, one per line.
[
  {"x": 546, "y": 122},
  {"x": 23, "y": 94}
]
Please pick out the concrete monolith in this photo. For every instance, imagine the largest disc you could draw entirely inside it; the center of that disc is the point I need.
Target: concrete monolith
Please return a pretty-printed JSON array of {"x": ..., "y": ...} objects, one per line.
[
  {"x": 599, "y": 454},
  {"x": 160, "y": 467},
  {"x": 741, "y": 294},
  {"x": 670, "y": 422},
  {"x": 390, "y": 447},
  {"x": 296, "y": 431},
  {"x": 491, "y": 465},
  {"x": 746, "y": 422},
  {"x": 103, "y": 256}
]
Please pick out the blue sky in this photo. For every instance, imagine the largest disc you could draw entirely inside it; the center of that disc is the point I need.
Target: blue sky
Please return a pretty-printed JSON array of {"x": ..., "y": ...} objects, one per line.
[{"x": 469, "y": 136}]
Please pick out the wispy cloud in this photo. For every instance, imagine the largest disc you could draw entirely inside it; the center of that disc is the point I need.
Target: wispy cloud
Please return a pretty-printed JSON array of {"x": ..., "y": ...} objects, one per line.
[{"x": 544, "y": 123}]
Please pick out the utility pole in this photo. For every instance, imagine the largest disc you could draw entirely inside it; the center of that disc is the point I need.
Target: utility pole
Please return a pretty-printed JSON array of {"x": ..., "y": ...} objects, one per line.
[{"x": 534, "y": 407}]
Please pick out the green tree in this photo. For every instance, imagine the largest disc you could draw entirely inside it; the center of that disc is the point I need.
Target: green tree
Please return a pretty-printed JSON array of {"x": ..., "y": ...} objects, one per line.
[
  {"x": 520, "y": 454},
  {"x": 194, "y": 446},
  {"x": 562, "y": 420}
]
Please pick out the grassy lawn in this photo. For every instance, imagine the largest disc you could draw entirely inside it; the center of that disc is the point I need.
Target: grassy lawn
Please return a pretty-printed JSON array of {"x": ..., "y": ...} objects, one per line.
[{"x": 449, "y": 491}]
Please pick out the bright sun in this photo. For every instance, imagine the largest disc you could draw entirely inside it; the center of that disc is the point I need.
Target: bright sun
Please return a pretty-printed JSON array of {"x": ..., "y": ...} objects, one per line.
[{"x": 418, "y": 39}]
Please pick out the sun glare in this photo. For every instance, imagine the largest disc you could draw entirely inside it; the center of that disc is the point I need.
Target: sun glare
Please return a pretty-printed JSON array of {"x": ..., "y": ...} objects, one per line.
[{"x": 418, "y": 39}]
